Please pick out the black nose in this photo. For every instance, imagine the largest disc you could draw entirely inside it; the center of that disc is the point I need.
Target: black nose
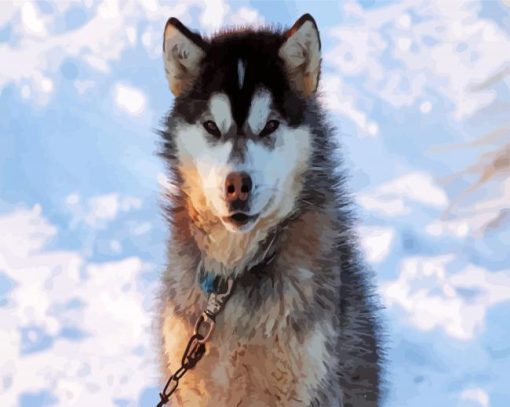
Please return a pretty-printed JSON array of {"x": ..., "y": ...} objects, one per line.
[{"x": 237, "y": 189}]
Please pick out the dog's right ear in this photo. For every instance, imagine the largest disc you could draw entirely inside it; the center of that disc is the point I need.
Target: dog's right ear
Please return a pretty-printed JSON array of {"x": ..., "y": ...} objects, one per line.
[{"x": 183, "y": 52}]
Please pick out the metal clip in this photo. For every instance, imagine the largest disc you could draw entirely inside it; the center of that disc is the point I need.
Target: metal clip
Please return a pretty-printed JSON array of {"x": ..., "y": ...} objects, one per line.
[{"x": 216, "y": 301}]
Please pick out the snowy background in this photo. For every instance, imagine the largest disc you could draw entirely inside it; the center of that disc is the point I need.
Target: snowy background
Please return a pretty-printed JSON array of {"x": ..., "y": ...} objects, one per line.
[{"x": 420, "y": 92}]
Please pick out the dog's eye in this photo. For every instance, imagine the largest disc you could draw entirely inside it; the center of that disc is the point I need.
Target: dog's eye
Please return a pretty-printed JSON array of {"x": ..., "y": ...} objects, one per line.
[
  {"x": 211, "y": 128},
  {"x": 270, "y": 127}
]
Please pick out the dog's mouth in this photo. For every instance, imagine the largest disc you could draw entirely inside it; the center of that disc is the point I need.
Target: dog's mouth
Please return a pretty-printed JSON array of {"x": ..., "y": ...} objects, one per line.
[{"x": 240, "y": 219}]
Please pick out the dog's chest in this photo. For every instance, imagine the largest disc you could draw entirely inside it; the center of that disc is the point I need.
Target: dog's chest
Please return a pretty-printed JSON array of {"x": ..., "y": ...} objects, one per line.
[{"x": 258, "y": 368}]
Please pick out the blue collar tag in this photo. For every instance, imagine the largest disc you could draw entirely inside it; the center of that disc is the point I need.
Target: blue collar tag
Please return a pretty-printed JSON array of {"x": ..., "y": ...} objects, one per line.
[{"x": 207, "y": 282}]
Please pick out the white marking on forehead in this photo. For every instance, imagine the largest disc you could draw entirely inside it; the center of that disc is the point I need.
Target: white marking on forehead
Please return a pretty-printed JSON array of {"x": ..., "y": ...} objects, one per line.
[
  {"x": 259, "y": 110},
  {"x": 219, "y": 106},
  {"x": 241, "y": 69}
]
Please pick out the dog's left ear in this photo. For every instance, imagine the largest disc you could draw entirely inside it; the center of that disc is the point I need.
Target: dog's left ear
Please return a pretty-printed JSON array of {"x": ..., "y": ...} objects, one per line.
[{"x": 301, "y": 53}]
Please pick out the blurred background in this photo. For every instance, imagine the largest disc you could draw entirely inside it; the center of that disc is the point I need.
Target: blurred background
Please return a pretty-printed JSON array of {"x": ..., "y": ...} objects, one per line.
[{"x": 420, "y": 94}]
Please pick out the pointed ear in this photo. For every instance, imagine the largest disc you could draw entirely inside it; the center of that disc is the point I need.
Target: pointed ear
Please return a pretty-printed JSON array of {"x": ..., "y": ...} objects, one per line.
[
  {"x": 183, "y": 52},
  {"x": 301, "y": 53}
]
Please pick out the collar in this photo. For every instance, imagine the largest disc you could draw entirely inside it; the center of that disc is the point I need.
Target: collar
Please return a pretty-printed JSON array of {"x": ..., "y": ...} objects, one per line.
[{"x": 213, "y": 283}]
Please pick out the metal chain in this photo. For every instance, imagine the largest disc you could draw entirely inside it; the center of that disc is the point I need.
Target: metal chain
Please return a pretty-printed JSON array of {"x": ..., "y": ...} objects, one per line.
[
  {"x": 193, "y": 353},
  {"x": 196, "y": 345}
]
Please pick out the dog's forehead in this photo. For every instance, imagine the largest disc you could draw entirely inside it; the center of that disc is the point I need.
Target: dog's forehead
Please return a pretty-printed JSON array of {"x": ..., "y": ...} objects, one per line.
[
  {"x": 239, "y": 66},
  {"x": 241, "y": 76}
]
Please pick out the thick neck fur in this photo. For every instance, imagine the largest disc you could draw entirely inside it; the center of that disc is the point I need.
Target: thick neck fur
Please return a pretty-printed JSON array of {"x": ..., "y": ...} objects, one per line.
[
  {"x": 229, "y": 254},
  {"x": 223, "y": 252}
]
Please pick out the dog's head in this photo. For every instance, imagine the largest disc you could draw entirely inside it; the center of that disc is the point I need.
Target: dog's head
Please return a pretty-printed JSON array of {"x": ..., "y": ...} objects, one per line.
[{"x": 239, "y": 132}]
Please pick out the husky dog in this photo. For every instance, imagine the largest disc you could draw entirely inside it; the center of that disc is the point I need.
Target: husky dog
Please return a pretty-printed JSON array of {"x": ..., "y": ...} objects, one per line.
[{"x": 256, "y": 197}]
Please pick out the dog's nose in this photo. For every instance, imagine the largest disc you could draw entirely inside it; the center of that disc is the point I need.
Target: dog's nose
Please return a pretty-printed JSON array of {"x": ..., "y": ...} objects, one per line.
[{"x": 237, "y": 188}]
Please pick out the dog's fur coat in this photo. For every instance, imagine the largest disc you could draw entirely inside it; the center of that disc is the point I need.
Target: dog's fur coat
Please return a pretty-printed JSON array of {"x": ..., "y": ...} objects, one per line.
[{"x": 303, "y": 330}]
